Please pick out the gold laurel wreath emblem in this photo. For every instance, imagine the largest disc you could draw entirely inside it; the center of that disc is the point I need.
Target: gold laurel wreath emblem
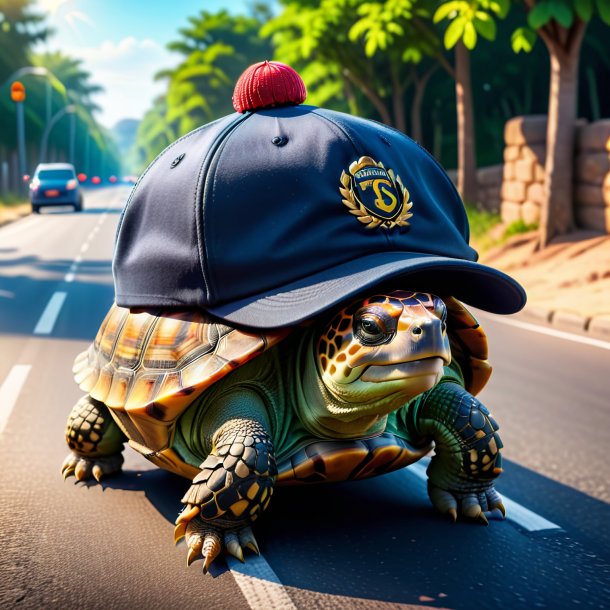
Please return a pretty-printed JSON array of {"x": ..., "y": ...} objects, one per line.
[{"x": 359, "y": 211}]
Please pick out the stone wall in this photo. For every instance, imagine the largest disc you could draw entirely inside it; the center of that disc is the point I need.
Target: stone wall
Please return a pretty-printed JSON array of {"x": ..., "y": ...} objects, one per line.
[
  {"x": 489, "y": 185},
  {"x": 592, "y": 176},
  {"x": 523, "y": 181},
  {"x": 524, "y": 156}
]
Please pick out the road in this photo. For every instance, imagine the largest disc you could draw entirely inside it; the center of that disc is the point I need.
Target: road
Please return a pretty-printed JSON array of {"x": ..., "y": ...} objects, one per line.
[{"x": 369, "y": 544}]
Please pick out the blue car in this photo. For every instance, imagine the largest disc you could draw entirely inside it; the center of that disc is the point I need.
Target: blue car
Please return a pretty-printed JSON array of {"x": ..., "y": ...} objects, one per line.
[{"x": 55, "y": 184}]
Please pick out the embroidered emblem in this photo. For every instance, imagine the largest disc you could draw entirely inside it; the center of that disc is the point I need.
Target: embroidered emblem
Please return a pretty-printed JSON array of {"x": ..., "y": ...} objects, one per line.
[{"x": 375, "y": 196}]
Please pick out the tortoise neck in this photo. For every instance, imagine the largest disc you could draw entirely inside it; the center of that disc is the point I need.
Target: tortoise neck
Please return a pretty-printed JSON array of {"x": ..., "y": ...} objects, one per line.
[{"x": 320, "y": 411}]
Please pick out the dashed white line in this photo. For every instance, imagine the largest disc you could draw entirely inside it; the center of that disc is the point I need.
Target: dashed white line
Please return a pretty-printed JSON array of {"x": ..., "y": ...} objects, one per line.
[
  {"x": 523, "y": 517},
  {"x": 560, "y": 334},
  {"x": 9, "y": 391},
  {"x": 49, "y": 315},
  {"x": 259, "y": 584}
]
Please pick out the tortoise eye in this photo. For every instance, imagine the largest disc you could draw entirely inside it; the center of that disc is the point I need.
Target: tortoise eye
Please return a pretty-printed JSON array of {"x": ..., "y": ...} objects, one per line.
[{"x": 371, "y": 327}]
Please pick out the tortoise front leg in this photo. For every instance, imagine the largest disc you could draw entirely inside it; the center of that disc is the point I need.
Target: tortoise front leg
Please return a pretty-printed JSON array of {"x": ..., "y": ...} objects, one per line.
[
  {"x": 95, "y": 440},
  {"x": 467, "y": 456},
  {"x": 233, "y": 488}
]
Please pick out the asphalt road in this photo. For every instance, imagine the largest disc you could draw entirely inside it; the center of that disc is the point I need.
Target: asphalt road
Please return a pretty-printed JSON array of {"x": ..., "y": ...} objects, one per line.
[{"x": 370, "y": 544}]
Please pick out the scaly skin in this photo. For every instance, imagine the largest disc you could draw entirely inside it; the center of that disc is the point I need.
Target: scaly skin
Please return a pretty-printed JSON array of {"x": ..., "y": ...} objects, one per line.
[
  {"x": 467, "y": 455},
  {"x": 95, "y": 439},
  {"x": 342, "y": 384},
  {"x": 233, "y": 488}
]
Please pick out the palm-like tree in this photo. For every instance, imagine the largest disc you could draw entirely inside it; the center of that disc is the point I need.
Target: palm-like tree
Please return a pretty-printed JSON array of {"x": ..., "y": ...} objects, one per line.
[{"x": 71, "y": 73}]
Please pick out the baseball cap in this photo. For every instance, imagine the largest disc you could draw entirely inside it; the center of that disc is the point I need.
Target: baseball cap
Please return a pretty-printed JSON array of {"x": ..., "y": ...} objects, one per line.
[{"x": 270, "y": 216}]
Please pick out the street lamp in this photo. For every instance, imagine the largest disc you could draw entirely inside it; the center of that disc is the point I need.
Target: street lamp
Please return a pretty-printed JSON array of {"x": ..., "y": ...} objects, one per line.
[
  {"x": 69, "y": 109},
  {"x": 18, "y": 96},
  {"x": 51, "y": 80}
]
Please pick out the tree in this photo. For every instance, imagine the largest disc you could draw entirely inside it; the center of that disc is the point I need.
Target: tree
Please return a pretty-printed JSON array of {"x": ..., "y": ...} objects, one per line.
[
  {"x": 561, "y": 25},
  {"x": 217, "y": 48},
  {"x": 20, "y": 29},
  {"x": 336, "y": 45},
  {"x": 467, "y": 19},
  {"x": 72, "y": 75}
]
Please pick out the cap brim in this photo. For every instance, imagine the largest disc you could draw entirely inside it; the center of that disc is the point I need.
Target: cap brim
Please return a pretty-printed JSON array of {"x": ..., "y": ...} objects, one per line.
[{"x": 473, "y": 283}]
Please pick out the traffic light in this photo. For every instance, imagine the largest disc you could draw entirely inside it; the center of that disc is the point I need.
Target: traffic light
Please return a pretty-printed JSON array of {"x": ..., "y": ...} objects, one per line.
[{"x": 17, "y": 92}]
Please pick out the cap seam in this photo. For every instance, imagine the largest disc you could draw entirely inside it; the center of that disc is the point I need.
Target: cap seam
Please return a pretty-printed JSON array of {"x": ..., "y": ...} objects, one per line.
[
  {"x": 150, "y": 166},
  {"x": 200, "y": 192}
]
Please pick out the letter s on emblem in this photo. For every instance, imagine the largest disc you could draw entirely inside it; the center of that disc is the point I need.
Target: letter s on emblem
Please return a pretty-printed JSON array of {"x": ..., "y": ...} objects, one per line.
[{"x": 380, "y": 201}]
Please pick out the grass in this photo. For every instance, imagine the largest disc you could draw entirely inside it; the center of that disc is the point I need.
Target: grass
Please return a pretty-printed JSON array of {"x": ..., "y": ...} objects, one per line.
[
  {"x": 10, "y": 200},
  {"x": 482, "y": 224}
]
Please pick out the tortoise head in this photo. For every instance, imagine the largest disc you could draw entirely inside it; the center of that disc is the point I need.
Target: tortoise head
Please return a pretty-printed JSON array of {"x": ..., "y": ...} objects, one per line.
[{"x": 390, "y": 345}]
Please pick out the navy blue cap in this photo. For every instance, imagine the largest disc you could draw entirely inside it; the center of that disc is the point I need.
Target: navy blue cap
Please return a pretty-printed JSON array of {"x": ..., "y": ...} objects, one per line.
[{"x": 268, "y": 218}]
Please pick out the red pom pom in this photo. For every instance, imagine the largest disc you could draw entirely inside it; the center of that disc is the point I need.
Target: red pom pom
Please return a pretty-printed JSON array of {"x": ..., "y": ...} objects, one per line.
[{"x": 268, "y": 84}]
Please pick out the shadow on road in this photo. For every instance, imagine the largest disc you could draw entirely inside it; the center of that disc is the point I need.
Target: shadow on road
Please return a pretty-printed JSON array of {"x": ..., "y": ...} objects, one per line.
[{"x": 381, "y": 540}]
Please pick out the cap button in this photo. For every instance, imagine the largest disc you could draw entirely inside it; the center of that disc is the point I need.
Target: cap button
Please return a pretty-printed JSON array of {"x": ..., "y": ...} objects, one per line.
[{"x": 268, "y": 84}]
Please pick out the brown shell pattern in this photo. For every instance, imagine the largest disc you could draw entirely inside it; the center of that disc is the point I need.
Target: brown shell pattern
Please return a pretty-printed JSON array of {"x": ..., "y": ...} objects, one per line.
[
  {"x": 149, "y": 368},
  {"x": 468, "y": 345}
]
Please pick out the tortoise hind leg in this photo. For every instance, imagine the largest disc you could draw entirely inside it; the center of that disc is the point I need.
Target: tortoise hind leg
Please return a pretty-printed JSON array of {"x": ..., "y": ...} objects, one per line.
[{"x": 95, "y": 440}]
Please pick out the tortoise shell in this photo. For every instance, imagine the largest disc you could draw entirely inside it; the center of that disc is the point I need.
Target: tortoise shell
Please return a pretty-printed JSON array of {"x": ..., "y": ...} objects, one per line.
[
  {"x": 148, "y": 368},
  {"x": 468, "y": 345}
]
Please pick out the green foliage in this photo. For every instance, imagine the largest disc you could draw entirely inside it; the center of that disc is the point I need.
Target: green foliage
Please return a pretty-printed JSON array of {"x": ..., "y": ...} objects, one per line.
[
  {"x": 217, "y": 48},
  {"x": 70, "y": 73},
  {"x": 523, "y": 39},
  {"x": 469, "y": 19},
  {"x": 11, "y": 200},
  {"x": 564, "y": 12},
  {"x": 481, "y": 221},
  {"x": 20, "y": 28},
  {"x": 517, "y": 227}
]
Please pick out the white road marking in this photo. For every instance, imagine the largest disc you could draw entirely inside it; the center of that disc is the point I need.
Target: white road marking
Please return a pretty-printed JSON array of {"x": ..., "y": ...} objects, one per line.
[
  {"x": 520, "y": 515},
  {"x": 84, "y": 247},
  {"x": 49, "y": 315},
  {"x": 543, "y": 330},
  {"x": 9, "y": 391},
  {"x": 259, "y": 584}
]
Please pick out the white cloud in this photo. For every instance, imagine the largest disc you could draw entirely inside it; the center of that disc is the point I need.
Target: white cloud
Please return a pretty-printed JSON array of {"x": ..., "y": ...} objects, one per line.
[{"x": 126, "y": 70}]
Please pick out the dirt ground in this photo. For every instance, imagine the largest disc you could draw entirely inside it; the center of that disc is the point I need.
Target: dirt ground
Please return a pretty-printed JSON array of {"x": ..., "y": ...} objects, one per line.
[
  {"x": 567, "y": 283},
  {"x": 13, "y": 212}
]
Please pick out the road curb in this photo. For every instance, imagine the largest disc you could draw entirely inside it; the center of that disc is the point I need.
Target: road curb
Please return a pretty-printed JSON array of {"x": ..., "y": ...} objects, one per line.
[{"x": 597, "y": 327}]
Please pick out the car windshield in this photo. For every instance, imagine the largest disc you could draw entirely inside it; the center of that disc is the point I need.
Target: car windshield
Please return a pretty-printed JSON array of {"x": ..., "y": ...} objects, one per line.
[{"x": 55, "y": 174}]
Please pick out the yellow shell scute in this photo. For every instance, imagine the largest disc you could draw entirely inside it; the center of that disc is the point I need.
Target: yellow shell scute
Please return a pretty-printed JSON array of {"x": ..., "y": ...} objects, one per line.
[
  {"x": 149, "y": 368},
  {"x": 469, "y": 346}
]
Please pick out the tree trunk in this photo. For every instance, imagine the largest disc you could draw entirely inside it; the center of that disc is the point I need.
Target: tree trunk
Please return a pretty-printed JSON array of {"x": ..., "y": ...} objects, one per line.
[
  {"x": 418, "y": 98},
  {"x": 467, "y": 169},
  {"x": 557, "y": 215},
  {"x": 372, "y": 95}
]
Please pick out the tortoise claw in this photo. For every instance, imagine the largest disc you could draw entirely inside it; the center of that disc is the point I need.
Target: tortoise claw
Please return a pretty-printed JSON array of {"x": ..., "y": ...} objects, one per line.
[
  {"x": 179, "y": 532},
  {"x": 233, "y": 547},
  {"x": 247, "y": 540},
  {"x": 187, "y": 514},
  {"x": 195, "y": 544}
]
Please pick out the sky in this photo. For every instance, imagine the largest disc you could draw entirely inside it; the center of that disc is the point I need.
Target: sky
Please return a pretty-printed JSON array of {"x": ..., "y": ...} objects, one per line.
[{"x": 122, "y": 44}]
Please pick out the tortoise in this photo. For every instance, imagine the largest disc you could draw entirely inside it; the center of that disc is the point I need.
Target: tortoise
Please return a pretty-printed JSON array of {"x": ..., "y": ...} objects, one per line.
[{"x": 360, "y": 393}]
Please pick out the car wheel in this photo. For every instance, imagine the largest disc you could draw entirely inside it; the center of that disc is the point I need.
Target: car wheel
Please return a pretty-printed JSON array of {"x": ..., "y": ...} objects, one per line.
[{"x": 35, "y": 209}]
